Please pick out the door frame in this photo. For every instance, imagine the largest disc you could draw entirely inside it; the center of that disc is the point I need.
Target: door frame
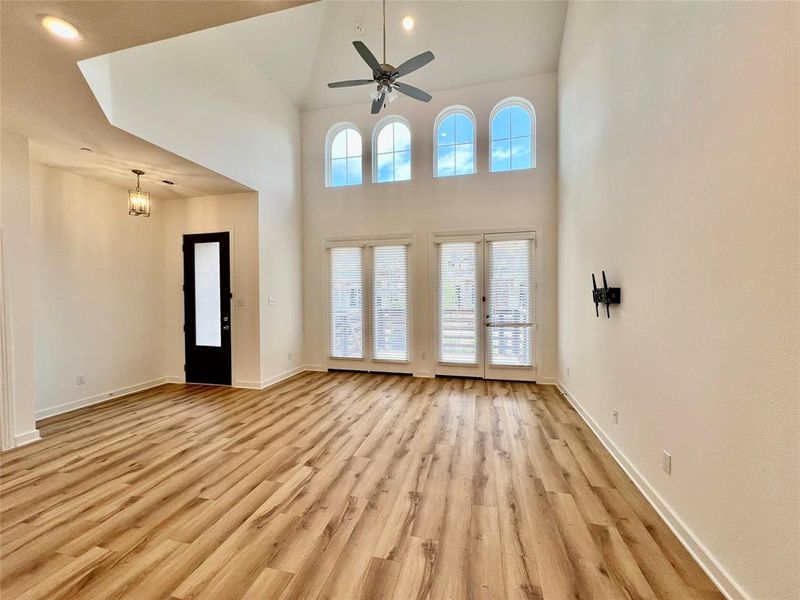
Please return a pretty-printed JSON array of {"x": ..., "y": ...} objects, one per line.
[
  {"x": 231, "y": 231},
  {"x": 434, "y": 238}
]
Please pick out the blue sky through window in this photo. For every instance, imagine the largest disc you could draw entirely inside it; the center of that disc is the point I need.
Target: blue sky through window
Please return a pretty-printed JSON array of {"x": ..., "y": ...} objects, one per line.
[
  {"x": 455, "y": 146},
  {"x": 345, "y": 156},
  {"x": 393, "y": 153},
  {"x": 511, "y": 139}
]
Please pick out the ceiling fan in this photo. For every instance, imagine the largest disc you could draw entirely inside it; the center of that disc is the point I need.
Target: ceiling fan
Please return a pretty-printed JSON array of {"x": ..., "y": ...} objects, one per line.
[{"x": 385, "y": 75}]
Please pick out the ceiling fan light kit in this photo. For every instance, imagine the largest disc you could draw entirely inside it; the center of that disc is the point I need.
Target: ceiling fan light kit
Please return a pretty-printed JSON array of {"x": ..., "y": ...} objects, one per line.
[{"x": 384, "y": 75}]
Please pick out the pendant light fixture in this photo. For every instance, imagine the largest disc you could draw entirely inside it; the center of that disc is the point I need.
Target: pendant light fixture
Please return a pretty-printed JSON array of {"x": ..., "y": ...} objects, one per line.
[{"x": 138, "y": 201}]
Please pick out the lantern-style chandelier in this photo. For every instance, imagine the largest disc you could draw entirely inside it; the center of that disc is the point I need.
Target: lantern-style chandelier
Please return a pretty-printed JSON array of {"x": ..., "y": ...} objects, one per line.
[{"x": 138, "y": 201}]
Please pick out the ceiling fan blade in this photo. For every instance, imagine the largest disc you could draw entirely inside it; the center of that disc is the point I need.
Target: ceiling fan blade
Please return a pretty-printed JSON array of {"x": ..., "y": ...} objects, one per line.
[
  {"x": 350, "y": 82},
  {"x": 377, "y": 104},
  {"x": 412, "y": 64},
  {"x": 414, "y": 92},
  {"x": 368, "y": 56}
]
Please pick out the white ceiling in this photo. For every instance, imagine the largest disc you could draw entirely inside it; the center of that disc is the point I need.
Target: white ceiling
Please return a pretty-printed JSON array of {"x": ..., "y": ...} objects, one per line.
[
  {"x": 474, "y": 42},
  {"x": 44, "y": 96}
]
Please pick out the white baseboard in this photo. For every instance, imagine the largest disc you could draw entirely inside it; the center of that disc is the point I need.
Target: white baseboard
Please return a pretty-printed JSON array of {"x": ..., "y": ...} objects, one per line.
[
  {"x": 247, "y": 385},
  {"x": 547, "y": 381},
  {"x": 319, "y": 368},
  {"x": 424, "y": 374},
  {"x": 26, "y": 438},
  {"x": 98, "y": 398},
  {"x": 265, "y": 383},
  {"x": 721, "y": 578}
]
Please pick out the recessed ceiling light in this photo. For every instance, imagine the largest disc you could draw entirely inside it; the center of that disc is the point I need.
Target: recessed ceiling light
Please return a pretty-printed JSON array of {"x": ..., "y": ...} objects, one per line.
[
  {"x": 61, "y": 28},
  {"x": 408, "y": 23}
]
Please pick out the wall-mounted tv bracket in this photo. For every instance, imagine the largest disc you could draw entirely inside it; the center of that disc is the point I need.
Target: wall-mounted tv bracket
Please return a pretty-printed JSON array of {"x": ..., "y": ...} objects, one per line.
[{"x": 604, "y": 295}]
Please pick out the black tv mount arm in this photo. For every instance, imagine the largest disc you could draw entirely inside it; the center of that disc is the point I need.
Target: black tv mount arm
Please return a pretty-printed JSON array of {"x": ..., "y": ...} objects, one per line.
[{"x": 604, "y": 295}]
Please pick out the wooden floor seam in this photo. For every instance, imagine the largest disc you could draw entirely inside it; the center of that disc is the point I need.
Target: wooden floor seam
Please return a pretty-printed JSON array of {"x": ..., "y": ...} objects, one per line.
[{"x": 332, "y": 486}]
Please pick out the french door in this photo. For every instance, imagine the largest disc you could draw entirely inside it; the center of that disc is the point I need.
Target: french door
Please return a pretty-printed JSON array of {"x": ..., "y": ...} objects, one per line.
[{"x": 485, "y": 325}]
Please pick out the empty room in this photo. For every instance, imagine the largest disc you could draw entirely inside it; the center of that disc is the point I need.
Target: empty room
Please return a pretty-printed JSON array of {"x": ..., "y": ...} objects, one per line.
[{"x": 388, "y": 299}]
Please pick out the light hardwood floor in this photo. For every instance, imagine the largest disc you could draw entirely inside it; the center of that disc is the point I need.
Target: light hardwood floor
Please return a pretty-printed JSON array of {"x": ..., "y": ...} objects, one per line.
[{"x": 332, "y": 485}]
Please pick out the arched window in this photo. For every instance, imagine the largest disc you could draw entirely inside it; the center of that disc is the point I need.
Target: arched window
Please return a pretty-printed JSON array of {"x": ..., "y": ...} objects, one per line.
[
  {"x": 455, "y": 142},
  {"x": 513, "y": 135},
  {"x": 391, "y": 150},
  {"x": 343, "y": 156}
]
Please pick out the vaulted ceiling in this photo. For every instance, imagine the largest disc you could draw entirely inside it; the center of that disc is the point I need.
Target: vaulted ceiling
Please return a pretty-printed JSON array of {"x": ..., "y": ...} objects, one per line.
[{"x": 297, "y": 48}]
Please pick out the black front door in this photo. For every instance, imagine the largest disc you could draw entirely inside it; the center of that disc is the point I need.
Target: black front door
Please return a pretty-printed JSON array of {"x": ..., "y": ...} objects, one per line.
[{"x": 207, "y": 307}]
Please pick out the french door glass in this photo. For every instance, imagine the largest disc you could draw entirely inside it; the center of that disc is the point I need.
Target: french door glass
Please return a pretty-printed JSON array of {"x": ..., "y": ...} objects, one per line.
[
  {"x": 485, "y": 311},
  {"x": 390, "y": 303},
  {"x": 346, "y": 303},
  {"x": 458, "y": 306}
]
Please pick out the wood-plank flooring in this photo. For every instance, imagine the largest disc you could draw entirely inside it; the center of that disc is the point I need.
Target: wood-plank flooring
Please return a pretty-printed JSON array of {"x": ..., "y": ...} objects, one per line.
[{"x": 332, "y": 485}]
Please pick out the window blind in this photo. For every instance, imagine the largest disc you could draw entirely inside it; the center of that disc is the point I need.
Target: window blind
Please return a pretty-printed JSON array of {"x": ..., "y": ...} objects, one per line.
[
  {"x": 509, "y": 307},
  {"x": 458, "y": 317},
  {"x": 346, "y": 303},
  {"x": 390, "y": 302}
]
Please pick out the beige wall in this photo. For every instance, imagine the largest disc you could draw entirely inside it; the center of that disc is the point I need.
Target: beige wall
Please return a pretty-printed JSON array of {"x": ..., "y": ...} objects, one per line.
[
  {"x": 425, "y": 204},
  {"x": 18, "y": 274},
  {"x": 678, "y": 175},
  {"x": 237, "y": 214},
  {"x": 235, "y": 122},
  {"x": 98, "y": 291}
]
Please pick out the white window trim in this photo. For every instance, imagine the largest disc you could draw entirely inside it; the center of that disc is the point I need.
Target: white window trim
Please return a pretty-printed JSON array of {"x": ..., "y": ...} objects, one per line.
[
  {"x": 332, "y": 133},
  {"x": 528, "y": 106},
  {"x": 368, "y": 363},
  {"x": 453, "y": 110},
  {"x": 374, "y": 151}
]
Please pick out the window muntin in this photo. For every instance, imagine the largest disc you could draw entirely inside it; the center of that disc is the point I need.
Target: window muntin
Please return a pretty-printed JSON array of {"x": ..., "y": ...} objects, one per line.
[
  {"x": 455, "y": 143},
  {"x": 513, "y": 136},
  {"x": 346, "y": 303},
  {"x": 391, "y": 150},
  {"x": 344, "y": 156}
]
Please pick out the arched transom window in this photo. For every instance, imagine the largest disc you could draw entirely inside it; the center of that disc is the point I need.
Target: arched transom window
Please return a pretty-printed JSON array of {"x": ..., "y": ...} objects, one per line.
[
  {"x": 343, "y": 154},
  {"x": 513, "y": 135},
  {"x": 391, "y": 150},
  {"x": 455, "y": 142}
]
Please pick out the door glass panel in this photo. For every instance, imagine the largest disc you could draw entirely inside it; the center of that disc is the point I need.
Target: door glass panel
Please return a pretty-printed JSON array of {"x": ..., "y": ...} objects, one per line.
[
  {"x": 346, "y": 303},
  {"x": 458, "y": 317},
  {"x": 509, "y": 286},
  {"x": 208, "y": 330},
  {"x": 390, "y": 302}
]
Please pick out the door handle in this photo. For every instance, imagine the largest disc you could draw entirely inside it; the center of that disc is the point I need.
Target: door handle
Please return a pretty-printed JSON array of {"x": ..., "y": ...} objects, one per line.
[{"x": 226, "y": 327}]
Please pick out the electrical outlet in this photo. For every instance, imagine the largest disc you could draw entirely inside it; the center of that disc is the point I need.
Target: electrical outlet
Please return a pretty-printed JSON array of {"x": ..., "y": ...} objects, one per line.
[
  {"x": 424, "y": 356},
  {"x": 615, "y": 416},
  {"x": 666, "y": 462},
  {"x": 567, "y": 372},
  {"x": 289, "y": 356},
  {"x": 80, "y": 380}
]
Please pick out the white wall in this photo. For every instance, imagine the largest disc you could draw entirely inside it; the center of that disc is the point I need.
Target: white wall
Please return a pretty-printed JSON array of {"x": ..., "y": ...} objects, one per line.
[
  {"x": 235, "y": 122},
  {"x": 16, "y": 225},
  {"x": 98, "y": 285},
  {"x": 237, "y": 214},
  {"x": 678, "y": 175},
  {"x": 425, "y": 204}
]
